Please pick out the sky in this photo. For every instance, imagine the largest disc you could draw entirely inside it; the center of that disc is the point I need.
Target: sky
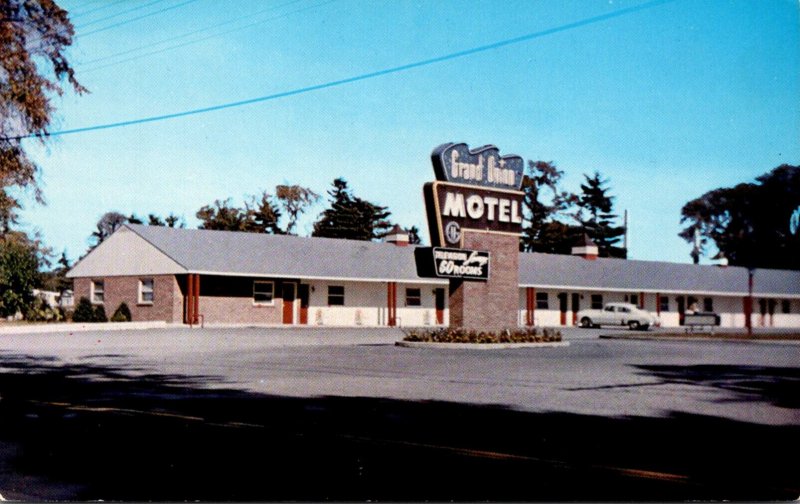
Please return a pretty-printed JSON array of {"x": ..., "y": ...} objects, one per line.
[{"x": 667, "y": 100}]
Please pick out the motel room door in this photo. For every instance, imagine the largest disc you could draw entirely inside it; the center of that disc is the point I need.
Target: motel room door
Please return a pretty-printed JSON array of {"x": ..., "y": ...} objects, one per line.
[
  {"x": 439, "y": 306},
  {"x": 302, "y": 293},
  {"x": 288, "y": 290},
  {"x": 562, "y": 307}
]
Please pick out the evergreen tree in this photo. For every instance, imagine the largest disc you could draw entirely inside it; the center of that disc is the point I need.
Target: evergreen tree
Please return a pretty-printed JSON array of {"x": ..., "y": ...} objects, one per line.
[
  {"x": 122, "y": 313},
  {"x": 84, "y": 311},
  {"x": 599, "y": 223},
  {"x": 351, "y": 217}
]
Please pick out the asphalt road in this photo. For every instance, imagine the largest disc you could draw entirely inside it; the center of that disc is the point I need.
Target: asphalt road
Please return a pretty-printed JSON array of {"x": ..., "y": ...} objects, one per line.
[{"x": 311, "y": 414}]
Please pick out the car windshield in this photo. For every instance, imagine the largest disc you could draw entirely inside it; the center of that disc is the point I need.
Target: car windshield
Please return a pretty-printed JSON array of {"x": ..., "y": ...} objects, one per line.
[{"x": 609, "y": 308}]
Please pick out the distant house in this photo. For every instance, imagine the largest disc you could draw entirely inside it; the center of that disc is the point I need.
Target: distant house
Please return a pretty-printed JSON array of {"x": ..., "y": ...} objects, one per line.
[{"x": 190, "y": 275}]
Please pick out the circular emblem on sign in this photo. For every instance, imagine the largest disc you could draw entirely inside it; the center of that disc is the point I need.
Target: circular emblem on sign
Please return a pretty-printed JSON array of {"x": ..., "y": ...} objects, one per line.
[{"x": 452, "y": 233}]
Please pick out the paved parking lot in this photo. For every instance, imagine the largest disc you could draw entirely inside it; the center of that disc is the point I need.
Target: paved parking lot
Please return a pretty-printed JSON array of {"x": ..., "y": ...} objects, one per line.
[{"x": 167, "y": 414}]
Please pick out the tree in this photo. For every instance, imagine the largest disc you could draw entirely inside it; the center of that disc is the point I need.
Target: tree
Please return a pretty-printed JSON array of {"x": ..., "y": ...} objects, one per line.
[
  {"x": 20, "y": 261},
  {"x": 34, "y": 35},
  {"x": 543, "y": 207},
  {"x": 122, "y": 313},
  {"x": 749, "y": 223},
  {"x": 413, "y": 235},
  {"x": 56, "y": 280},
  {"x": 262, "y": 215},
  {"x": 108, "y": 223},
  {"x": 84, "y": 311},
  {"x": 257, "y": 216},
  {"x": 351, "y": 217},
  {"x": 295, "y": 200},
  {"x": 599, "y": 224}
]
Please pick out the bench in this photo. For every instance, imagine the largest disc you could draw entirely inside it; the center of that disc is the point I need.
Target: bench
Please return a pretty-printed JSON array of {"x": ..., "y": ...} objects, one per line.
[{"x": 699, "y": 320}]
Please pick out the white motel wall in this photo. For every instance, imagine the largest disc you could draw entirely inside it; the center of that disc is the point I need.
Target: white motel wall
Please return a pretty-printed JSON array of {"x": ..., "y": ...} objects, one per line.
[
  {"x": 365, "y": 304},
  {"x": 182, "y": 276},
  {"x": 547, "y": 312}
]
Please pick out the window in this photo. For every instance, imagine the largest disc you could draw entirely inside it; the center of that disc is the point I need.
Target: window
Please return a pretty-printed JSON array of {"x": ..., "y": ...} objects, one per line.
[
  {"x": 708, "y": 304},
  {"x": 608, "y": 309},
  {"x": 541, "y": 301},
  {"x": 335, "y": 295},
  {"x": 413, "y": 297},
  {"x": 146, "y": 291},
  {"x": 786, "y": 306},
  {"x": 263, "y": 292},
  {"x": 623, "y": 309},
  {"x": 597, "y": 301},
  {"x": 634, "y": 299},
  {"x": 664, "y": 303},
  {"x": 98, "y": 291}
]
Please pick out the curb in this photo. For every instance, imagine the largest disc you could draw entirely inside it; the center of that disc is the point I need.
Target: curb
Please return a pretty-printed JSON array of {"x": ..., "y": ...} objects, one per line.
[
  {"x": 481, "y": 346},
  {"x": 81, "y": 327},
  {"x": 698, "y": 338}
]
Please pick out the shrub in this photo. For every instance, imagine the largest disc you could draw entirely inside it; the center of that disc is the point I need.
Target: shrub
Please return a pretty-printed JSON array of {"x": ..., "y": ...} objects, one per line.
[
  {"x": 84, "y": 312},
  {"x": 122, "y": 314},
  {"x": 461, "y": 335},
  {"x": 99, "y": 314}
]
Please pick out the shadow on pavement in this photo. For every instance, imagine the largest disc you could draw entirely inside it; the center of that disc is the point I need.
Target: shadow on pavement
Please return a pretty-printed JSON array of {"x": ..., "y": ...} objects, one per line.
[
  {"x": 84, "y": 432},
  {"x": 775, "y": 385}
]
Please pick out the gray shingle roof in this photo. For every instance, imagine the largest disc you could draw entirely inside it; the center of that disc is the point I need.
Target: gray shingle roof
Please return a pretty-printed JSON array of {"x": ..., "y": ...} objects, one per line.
[
  {"x": 236, "y": 253},
  {"x": 540, "y": 270}
]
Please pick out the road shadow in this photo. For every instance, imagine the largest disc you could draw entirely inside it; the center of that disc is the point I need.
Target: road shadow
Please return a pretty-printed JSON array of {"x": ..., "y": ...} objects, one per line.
[
  {"x": 88, "y": 432},
  {"x": 779, "y": 386}
]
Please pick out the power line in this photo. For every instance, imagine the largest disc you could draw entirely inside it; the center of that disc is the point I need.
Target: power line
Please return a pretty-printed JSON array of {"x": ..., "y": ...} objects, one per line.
[
  {"x": 165, "y": 9},
  {"x": 104, "y": 6},
  {"x": 177, "y": 37},
  {"x": 362, "y": 77},
  {"x": 112, "y": 16}
]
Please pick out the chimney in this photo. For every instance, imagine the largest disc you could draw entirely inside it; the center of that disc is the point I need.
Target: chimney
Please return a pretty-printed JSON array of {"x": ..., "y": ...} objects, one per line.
[
  {"x": 586, "y": 248},
  {"x": 397, "y": 236}
]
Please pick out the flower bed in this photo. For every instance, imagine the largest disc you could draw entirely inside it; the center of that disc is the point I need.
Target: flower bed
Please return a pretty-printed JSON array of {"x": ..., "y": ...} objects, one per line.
[{"x": 460, "y": 335}]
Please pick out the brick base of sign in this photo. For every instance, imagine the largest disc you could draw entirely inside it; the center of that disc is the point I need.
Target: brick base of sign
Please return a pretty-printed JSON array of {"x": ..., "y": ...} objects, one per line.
[{"x": 491, "y": 305}]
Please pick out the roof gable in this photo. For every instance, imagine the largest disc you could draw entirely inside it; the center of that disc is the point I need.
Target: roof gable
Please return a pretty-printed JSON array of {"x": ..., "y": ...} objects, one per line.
[{"x": 125, "y": 253}]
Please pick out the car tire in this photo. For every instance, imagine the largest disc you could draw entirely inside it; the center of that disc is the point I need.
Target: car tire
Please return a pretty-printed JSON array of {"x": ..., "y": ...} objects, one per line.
[
  {"x": 586, "y": 323},
  {"x": 634, "y": 325}
]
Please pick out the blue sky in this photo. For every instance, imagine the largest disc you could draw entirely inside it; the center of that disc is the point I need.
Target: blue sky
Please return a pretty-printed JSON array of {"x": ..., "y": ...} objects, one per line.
[{"x": 667, "y": 101}]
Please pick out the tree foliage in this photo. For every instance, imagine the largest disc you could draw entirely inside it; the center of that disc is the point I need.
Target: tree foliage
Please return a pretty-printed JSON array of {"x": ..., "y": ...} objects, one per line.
[
  {"x": 20, "y": 261},
  {"x": 34, "y": 35},
  {"x": 544, "y": 206},
  {"x": 351, "y": 217},
  {"x": 556, "y": 219},
  {"x": 750, "y": 222},
  {"x": 294, "y": 199},
  {"x": 597, "y": 218},
  {"x": 258, "y": 215}
]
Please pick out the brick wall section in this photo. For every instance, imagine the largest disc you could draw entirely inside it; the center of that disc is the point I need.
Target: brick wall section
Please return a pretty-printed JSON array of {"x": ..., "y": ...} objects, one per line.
[
  {"x": 491, "y": 305},
  {"x": 167, "y": 304},
  {"x": 238, "y": 310}
]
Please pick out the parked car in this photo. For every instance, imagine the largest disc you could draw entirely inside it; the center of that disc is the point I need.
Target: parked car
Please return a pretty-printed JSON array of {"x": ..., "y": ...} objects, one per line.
[{"x": 618, "y": 314}]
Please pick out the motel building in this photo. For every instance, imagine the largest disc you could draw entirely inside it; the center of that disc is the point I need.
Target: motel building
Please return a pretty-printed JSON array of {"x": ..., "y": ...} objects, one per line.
[{"x": 191, "y": 276}]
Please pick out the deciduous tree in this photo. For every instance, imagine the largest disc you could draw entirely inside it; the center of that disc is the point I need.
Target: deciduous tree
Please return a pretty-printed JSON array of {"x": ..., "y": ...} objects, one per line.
[
  {"x": 34, "y": 35},
  {"x": 749, "y": 223},
  {"x": 294, "y": 199}
]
